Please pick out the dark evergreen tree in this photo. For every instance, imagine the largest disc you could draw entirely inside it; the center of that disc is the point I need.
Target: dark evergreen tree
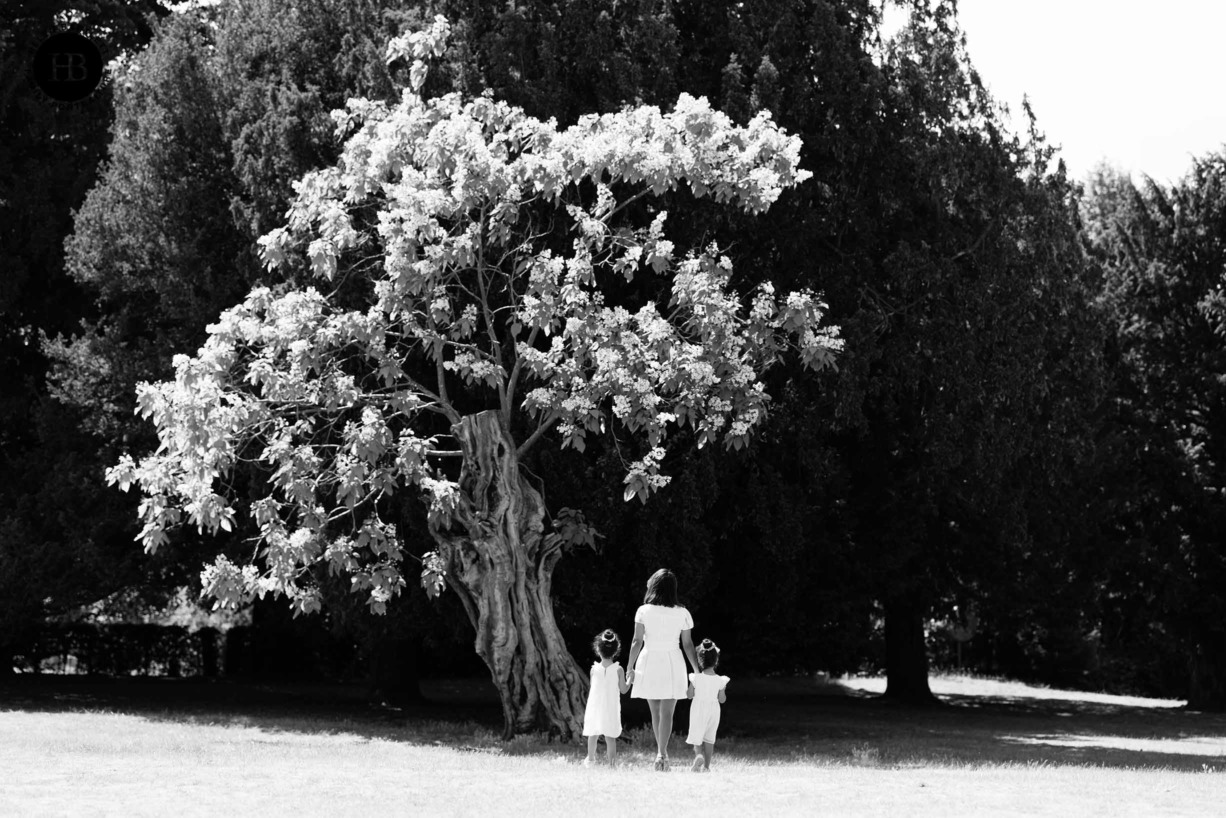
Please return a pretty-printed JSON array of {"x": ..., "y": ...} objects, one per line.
[
  {"x": 1162, "y": 252},
  {"x": 50, "y": 559}
]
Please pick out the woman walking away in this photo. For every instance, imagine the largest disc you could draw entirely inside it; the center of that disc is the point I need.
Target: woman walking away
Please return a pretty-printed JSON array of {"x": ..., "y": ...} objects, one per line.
[
  {"x": 661, "y": 631},
  {"x": 707, "y": 691},
  {"x": 603, "y": 716}
]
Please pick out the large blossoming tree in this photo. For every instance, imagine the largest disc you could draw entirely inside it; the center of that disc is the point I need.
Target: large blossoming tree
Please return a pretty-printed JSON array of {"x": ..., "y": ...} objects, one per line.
[{"x": 458, "y": 250}]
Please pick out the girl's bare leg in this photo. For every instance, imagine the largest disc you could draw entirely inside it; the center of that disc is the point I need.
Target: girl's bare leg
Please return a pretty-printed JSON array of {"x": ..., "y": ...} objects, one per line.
[
  {"x": 698, "y": 758},
  {"x": 610, "y": 748},
  {"x": 708, "y": 750},
  {"x": 591, "y": 749}
]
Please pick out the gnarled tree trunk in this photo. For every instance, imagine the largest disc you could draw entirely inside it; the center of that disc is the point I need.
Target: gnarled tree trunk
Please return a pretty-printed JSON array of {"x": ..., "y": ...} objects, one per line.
[{"x": 501, "y": 567}]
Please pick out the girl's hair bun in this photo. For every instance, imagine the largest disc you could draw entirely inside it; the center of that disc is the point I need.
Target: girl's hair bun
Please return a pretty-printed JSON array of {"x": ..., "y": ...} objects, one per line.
[
  {"x": 708, "y": 654},
  {"x": 606, "y": 644}
]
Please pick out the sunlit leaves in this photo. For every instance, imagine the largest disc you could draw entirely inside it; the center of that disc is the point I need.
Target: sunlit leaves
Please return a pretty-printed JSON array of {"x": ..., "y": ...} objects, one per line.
[
  {"x": 433, "y": 573},
  {"x": 571, "y": 528},
  {"x": 275, "y": 385}
]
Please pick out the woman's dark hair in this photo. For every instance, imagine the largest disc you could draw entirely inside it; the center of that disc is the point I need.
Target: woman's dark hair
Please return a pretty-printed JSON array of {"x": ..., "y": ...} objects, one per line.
[
  {"x": 607, "y": 645},
  {"x": 662, "y": 589},
  {"x": 708, "y": 654}
]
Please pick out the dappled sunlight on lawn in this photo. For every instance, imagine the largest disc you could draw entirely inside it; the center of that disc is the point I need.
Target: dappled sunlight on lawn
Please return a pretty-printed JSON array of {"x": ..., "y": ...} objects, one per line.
[
  {"x": 1213, "y": 747},
  {"x": 1002, "y": 689},
  {"x": 978, "y": 722}
]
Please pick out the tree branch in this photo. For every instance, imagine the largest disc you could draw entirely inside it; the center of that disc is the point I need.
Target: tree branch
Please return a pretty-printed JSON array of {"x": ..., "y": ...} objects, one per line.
[
  {"x": 513, "y": 380},
  {"x": 626, "y": 204},
  {"x": 450, "y": 411},
  {"x": 495, "y": 346},
  {"x": 545, "y": 426}
]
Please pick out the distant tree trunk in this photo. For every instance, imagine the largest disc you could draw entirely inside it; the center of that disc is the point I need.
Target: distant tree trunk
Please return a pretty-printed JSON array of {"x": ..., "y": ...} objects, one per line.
[
  {"x": 502, "y": 570},
  {"x": 210, "y": 656},
  {"x": 906, "y": 652},
  {"x": 1207, "y": 682},
  {"x": 395, "y": 676}
]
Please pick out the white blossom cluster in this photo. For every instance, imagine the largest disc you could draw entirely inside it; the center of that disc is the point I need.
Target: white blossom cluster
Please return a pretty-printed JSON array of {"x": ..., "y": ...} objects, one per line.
[{"x": 269, "y": 387}]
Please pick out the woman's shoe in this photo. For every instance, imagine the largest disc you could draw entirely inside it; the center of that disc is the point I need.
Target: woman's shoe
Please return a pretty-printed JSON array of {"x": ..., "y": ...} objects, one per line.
[{"x": 660, "y": 765}]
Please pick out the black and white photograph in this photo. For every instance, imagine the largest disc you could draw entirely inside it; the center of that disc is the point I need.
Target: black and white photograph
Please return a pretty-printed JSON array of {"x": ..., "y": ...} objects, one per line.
[{"x": 612, "y": 407}]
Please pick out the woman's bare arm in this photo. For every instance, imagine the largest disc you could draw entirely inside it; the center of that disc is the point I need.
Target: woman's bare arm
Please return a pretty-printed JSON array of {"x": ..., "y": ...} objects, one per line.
[
  {"x": 635, "y": 647},
  {"x": 687, "y": 645}
]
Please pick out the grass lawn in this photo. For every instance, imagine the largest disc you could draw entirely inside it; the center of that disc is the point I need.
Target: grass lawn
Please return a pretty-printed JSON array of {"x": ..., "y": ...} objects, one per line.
[{"x": 787, "y": 746}]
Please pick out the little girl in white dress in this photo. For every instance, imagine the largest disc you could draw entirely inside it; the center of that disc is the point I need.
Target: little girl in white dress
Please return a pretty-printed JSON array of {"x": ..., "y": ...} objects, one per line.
[
  {"x": 603, "y": 716},
  {"x": 706, "y": 691}
]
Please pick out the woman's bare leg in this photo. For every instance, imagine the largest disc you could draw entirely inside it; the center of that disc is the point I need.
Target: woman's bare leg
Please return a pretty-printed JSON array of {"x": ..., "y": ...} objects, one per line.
[
  {"x": 654, "y": 705},
  {"x": 661, "y": 725},
  {"x": 610, "y": 748},
  {"x": 666, "y": 726}
]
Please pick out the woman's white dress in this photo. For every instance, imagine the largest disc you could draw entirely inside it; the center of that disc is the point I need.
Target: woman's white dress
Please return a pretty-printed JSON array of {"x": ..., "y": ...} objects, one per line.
[
  {"x": 704, "y": 707},
  {"x": 603, "y": 716},
  {"x": 659, "y": 672}
]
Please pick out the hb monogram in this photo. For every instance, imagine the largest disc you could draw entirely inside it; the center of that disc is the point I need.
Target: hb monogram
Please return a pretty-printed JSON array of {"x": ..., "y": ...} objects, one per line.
[{"x": 67, "y": 67}]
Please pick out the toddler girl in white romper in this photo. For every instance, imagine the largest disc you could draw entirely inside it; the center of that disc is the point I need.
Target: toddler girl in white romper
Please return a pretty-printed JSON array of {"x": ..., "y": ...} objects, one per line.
[{"x": 706, "y": 692}]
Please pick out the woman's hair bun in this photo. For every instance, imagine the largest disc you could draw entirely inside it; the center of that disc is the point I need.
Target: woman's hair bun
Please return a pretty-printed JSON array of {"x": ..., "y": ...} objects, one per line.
[
  {"x": 608, "y": 635},
  {"x": 706, "y": 643}
]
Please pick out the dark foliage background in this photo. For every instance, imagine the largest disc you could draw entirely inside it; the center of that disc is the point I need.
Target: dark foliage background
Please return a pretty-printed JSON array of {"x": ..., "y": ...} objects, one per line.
[{"x": 1024, "y": 441}]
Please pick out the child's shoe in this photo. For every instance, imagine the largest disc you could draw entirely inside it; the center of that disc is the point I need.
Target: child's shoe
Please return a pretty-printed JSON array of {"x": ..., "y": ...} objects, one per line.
[{"x": 697, "y": 765}]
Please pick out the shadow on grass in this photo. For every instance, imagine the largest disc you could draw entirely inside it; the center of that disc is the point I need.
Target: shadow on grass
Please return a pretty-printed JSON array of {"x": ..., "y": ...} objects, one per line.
[
  {"x": 843, "y": 724},
  {"x": 768, "y": 721},
  {"x": 451, "y": 707}
]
